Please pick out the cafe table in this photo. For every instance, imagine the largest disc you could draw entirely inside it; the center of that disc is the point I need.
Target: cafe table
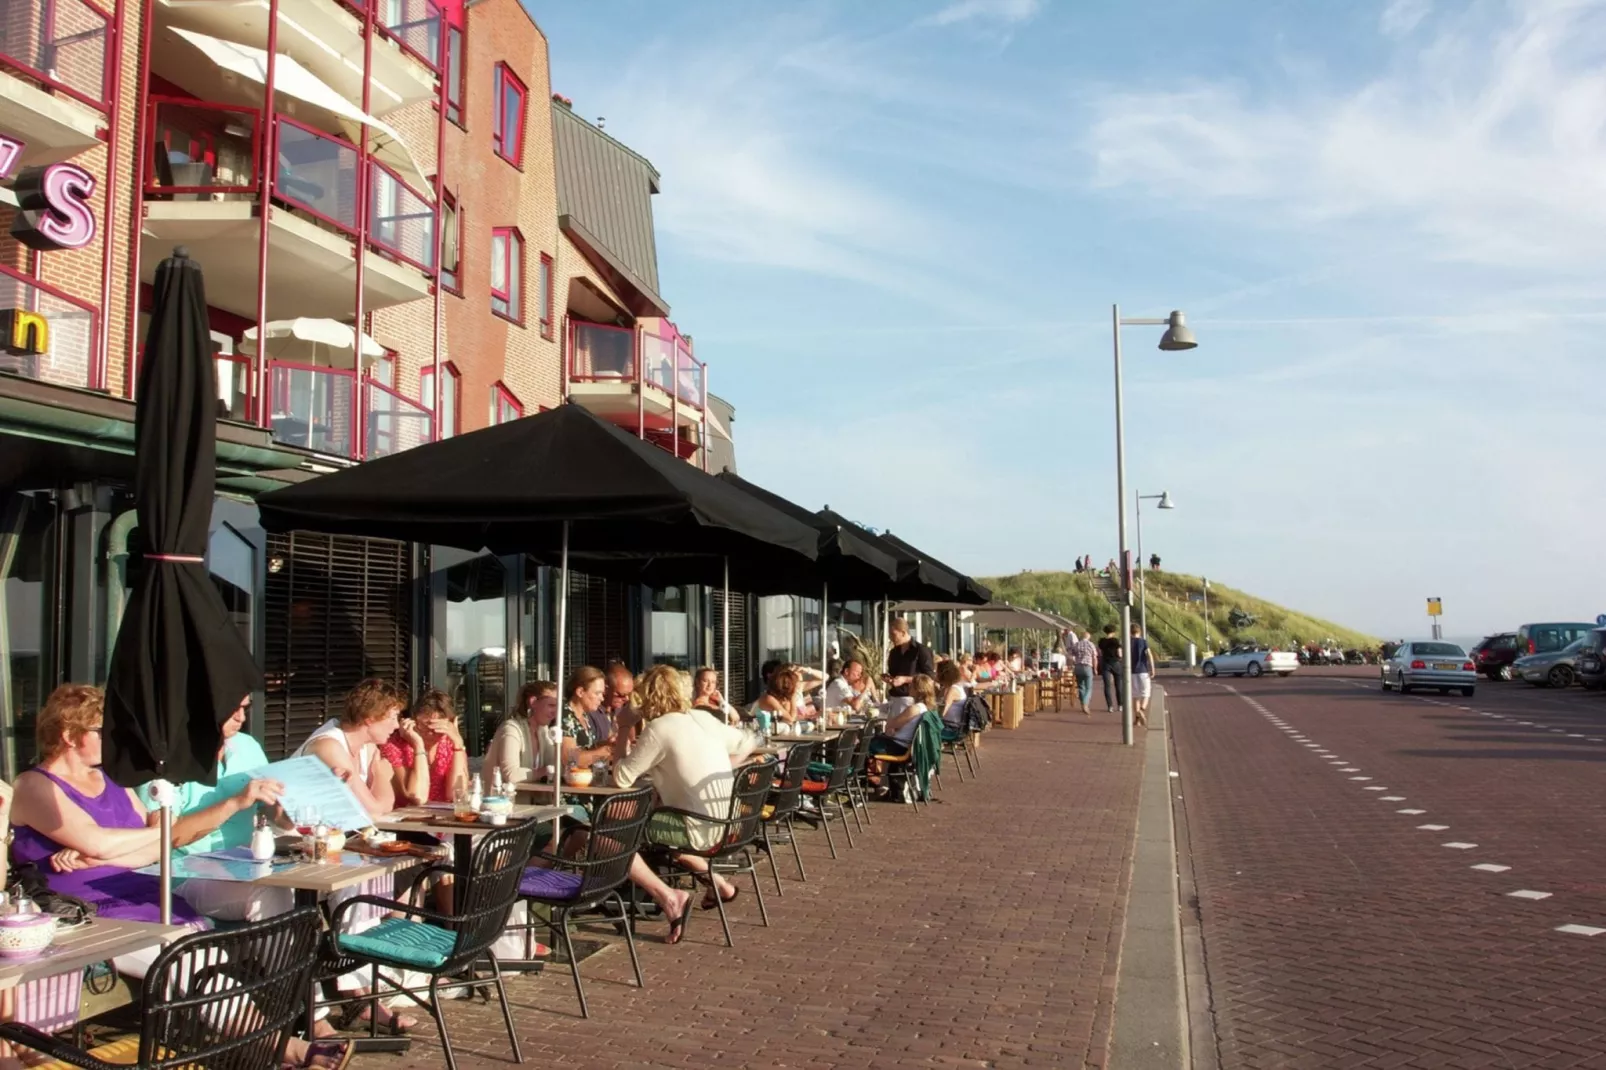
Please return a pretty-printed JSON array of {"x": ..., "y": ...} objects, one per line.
[
  {"x": 803, "y": 737},
  {"x": 440, "y": 822},
  {"x": 94, "y": 940}
]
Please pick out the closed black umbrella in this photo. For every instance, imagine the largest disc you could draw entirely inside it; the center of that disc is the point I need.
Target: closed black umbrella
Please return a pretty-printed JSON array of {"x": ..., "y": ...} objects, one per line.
[{"x": 179, "y": 667}]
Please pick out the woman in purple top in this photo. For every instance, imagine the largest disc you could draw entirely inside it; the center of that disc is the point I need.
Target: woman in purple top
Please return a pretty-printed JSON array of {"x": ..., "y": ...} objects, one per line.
[{"x": 84, "y": 832}]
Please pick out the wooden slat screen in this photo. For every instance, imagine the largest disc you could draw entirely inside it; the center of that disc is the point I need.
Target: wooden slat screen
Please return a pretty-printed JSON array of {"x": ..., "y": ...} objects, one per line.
[
  {"x": 338, "y": 610},
  {"x": 599, "y": 625},
  {"x": 736, "y": 689}
]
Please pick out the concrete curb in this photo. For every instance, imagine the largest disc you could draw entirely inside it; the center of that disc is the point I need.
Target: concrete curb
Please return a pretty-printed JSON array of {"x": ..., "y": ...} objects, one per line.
[{"x": 1150, "y": 1030}]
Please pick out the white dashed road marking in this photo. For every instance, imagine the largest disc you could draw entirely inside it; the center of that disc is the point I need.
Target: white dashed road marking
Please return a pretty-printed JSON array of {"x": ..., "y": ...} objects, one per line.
[
  {"x": 1527, "y": 894},
  {"x": 1580, "y": 930},
  {"x": 1490, "y": 867},
  {"x": 1457, "y": 845}
]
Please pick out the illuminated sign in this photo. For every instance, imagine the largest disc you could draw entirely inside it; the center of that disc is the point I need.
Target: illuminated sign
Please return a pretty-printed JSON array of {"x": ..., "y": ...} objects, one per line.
[
  {"x": 24, "y": 333},
  {"x": 54, "y": 207}
]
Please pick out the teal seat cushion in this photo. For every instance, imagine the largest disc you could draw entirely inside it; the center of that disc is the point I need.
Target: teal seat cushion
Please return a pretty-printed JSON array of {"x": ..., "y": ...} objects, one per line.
[
  {"x": 820, "y": 770},
  {"x": 406, "y": 943}
]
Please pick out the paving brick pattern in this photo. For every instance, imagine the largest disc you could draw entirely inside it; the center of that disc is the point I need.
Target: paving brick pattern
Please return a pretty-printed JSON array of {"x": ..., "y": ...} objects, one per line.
[
  {"x": 1336, "y": 932},
  {"x": 982, "y": 932}
]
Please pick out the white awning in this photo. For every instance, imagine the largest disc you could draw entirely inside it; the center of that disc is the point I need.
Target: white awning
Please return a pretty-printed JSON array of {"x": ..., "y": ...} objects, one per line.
[
  {"x": 294, "y": 80},
  {"x": 285, "y": 337}
]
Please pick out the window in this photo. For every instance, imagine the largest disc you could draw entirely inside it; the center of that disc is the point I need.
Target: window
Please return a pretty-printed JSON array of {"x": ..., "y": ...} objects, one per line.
[
  {"x": 451, "y": 228},
  {"x": 505, "y": 408},
  {"x": 544, "y": 295},
  {"x": 508, "y": 136},
  {"x": 426, "y": 394},
  {"x": 454, "y": 74},
  {"x": 507, "y": 273}
]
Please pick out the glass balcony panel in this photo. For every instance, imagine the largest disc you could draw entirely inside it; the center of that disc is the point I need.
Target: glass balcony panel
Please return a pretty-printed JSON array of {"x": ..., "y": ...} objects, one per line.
[
  {"x": 689, "y": 378},
  {"x": 658, "y": 361},
  {"x": 394, "y": 423},
  {"x": 400, "y": 221},
  {"x": 415, "y": 24},
  {"x": 61, "y": 42},
  {"x": 318, "y": 173},
  {"x": 44, "y": 336},
  {"x": 203, "y": 151},
  {"x": 234, "y": 387},
  {"x": 603, "y": 353},
  {"x": 314, "y": 408}
]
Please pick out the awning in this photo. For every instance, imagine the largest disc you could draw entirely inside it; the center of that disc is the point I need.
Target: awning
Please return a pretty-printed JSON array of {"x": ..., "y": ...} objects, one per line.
[
  {"x": 294, "y": 80},
  {"x": 993, "y": 615},
  {"x": 306, "y": 331}
]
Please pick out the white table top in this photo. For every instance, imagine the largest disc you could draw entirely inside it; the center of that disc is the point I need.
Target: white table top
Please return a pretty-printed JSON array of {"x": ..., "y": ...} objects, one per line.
[{"x": 95, "y": 941}]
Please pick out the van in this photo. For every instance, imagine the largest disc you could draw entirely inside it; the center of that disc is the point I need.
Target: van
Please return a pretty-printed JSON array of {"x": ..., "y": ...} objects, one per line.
[{"x": 1543, "y": 638}]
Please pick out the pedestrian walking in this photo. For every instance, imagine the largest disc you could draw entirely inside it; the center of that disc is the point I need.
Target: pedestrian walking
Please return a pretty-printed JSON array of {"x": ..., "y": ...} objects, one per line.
[
  {"x": 1084, "y": 661},
  {"x": 1142, "y": 677},
  {"x": 1110, "y": 669}
]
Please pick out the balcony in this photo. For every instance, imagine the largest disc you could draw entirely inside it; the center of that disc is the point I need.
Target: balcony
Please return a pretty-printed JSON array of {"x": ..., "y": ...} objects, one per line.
[
  {"x": 202, "y": 191},
  {"x": 54, "y": 76},
  {"x": 46, "y": 334},
  {"x": 331, "y": 411},
  {"x": 326, "y": 37},
  {"x": 628, "y": 376}
]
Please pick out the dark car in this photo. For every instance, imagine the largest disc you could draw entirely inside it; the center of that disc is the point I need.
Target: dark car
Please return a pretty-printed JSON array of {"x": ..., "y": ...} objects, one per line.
[
  {"x": 1591, "y": 664},
  {"x": 1494, "y": 655},
  {"x": 1543, "y": 638}
]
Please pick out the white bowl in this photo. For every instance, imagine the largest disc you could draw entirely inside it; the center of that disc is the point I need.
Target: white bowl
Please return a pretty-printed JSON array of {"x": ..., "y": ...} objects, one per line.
[{"x": 23, "y": 936}]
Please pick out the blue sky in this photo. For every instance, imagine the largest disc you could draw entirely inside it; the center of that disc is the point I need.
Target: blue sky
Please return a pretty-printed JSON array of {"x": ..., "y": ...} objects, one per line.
[{"x": 895, "y": 230}]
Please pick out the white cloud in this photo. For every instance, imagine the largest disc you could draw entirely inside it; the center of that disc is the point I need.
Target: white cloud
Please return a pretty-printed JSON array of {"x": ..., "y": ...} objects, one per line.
[
  {"x": 1485, "y": 147},
  {"x": 1009, "y": 12},
  {"x": 1400, "y": 17}
]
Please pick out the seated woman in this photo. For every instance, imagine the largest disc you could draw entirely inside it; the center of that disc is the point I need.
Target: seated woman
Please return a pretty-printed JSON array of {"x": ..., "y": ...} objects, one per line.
[
  {"x": 951, "y": 682},
  {"x": 516, "y": 749},
  {"x": 780, "y": 698},
  {"x": 688, "y": 755},
  {"x": 899, "y": 734},
  {"x": 426, "y": 753},
  {"x": 706, "y": 696}
]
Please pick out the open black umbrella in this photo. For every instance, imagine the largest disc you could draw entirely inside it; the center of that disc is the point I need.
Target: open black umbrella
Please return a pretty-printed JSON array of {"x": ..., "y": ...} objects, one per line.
[
  {"x": 849, "y": 563},
  {"x": 967, "y": 590},
  {"x": 179, "y": 667}
]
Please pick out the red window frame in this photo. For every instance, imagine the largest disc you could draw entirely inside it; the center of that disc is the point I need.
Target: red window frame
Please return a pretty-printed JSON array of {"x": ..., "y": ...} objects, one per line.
[
  {"x": 509, "y": 142},
  {"x": 544, "y": 283},
  {"x": 455, "y": 73},
  {"x": 508, "y": 301},
  {"x": 451, "y": 421},
  {"x": 502, "y": 397},
  {"x": 452, "y": 277}
]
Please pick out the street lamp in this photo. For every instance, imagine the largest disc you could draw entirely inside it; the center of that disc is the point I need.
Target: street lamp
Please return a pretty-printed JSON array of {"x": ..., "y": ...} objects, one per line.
[
  {"x": 1177, "y": 337},
  {"x": 1165, "y": 502}
]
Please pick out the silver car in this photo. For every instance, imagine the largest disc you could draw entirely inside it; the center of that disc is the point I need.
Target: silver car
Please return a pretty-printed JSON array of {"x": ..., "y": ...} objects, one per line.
[{"x": 1430, "y": 663}]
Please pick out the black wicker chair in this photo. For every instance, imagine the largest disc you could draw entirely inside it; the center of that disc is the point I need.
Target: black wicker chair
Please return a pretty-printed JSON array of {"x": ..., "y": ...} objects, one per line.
[
  {"x": 859, "y": 779},
  {"x": 786, "y": 795},
  {"x": 587, "y": 882},
  {"x": 226, "y": 1000},
  {"x": 732, "y": 852},
  {"x": 829, "y": 793},
  {"x": 447, "y": 946}
]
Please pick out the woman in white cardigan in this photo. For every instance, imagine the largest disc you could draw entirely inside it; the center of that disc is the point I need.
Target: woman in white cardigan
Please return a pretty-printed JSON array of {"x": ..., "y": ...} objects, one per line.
[{"x": 688, "y": 756}]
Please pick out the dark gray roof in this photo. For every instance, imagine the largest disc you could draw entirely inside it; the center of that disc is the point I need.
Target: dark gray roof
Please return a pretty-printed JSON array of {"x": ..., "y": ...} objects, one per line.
[{"x": 605, "y": 191}]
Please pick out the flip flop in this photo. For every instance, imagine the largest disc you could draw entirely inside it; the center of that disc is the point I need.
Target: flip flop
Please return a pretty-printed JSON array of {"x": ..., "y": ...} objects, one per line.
[
  {"x": 677, "y": 926},
  {"x": 708, "y": 898},
  {"x": 340, "y": 1050}
]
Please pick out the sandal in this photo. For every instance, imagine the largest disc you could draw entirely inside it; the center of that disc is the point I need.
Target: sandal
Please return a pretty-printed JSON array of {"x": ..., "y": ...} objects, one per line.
[
  {"x": 340, "y": 1051},
  {"x": 391, "y": 1023},
  {"x": 677, "y": 926},
  {"x": 708, "y": 898}
]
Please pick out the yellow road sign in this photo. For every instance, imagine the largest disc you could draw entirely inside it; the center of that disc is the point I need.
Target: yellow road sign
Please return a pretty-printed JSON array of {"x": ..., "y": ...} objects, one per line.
[{"x": 1435, "y": 607}]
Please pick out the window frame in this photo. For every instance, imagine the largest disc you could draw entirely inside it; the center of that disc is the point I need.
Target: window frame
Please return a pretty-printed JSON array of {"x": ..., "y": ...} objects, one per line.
[
  {"x": 512, "y": 299},
  {"x": 501, "y": 395},
  {"x": 455, "y": 285},
  {"x": 504, "y": 77},
  {"x": 546, "y": 282},
  {"x": 456, "y": 110},
  {"x": 426, "y": 387}
]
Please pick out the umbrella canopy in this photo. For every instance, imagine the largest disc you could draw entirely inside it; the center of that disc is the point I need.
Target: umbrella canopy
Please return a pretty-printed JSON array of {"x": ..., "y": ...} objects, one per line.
[
  {"x": 631, "y": 509},
  {"x": 179, "y": 668},
  {"x": 850, "y": 565},
  {"x": 967, "y": 590},
  {"x": 306, "y": 339},
  {"x": 992, "y": 615}
]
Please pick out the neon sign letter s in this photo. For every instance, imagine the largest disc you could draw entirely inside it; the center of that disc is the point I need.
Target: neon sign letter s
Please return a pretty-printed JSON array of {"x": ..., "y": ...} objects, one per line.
[{"x": 55, "y": 207}]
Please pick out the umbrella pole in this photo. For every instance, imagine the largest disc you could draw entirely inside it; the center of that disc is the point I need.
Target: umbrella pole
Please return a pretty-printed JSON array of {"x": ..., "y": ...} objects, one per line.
[
  {"x": 725, "y": 630},
  {"x": 825, "y": 642},
  {"x": 167, "y": 865},
  {"x": 563, "y": 609}
]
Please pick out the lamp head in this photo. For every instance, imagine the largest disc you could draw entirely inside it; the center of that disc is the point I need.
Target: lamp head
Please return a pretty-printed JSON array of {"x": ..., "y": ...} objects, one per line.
[
  {"x": 1177, "y": 334},
  {"x": 1165, "y": 501}
]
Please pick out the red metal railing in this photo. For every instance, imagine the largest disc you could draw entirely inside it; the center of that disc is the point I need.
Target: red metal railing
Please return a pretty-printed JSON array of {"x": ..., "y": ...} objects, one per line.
[
  {"x": 401, "y": 221},
  {"x": 689, "y": 376},
  {"x": 316, "y": 172},
  {"x": 200, "y": 149},
  {"x": 394, "y": 423},
  {"x": 64, "y": 349},
  {"x": 415, "y": 25},
  {"x": 603, "y": 354},
  {"x": 598, "y": 353},
  {"x": 62, "y": 44},
  {"x": 314, "y": 408}
]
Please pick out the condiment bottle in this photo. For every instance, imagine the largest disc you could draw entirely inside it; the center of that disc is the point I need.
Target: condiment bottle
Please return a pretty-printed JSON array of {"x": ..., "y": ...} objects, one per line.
[
  {"x": 476, "y": 794},
  {"x": 262, "y": 839}
]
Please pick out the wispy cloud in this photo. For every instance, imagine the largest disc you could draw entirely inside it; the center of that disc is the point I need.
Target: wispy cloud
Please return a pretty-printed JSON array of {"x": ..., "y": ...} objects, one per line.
[
  {"x": 1008, "y": 12},
  {"x": 1400, "y": 17}
]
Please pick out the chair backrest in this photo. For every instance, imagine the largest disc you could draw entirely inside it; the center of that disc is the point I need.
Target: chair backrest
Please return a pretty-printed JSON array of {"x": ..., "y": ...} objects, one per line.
[
  {"x": 785, "y": 796},
  {"x": 840, "y": 754},
  {"x": 617, "y": 829},
  {"x": 751, "y": 788},
  {"x": 487, "y": 895},
  {"x": 861, "y": 753},
  {"x": 229, "y": 999}
]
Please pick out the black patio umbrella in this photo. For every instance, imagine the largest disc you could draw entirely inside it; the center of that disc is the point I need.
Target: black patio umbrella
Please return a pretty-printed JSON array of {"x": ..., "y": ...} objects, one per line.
[
  {"x": 967, "y": 590},
  {"x": 179, "y": 668},
  {"x": 917, "y": 577},
  {"x": 850, "y": 564}
]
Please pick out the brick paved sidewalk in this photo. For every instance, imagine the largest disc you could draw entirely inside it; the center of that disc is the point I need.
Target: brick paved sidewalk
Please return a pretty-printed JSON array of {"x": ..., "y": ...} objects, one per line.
[{"x": 982, "y": 932}]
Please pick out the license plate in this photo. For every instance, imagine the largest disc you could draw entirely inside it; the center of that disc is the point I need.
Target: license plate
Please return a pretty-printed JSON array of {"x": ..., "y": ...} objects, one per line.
[{"x": 1446, "y": 666}]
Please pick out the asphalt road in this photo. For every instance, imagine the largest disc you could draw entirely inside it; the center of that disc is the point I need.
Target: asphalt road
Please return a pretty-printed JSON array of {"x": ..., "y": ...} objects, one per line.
[{"x": 1392, "y": 881}]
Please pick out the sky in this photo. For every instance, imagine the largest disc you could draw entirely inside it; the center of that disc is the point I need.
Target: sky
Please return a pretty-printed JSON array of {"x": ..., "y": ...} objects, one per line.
[{"x": 896, "y": 230}]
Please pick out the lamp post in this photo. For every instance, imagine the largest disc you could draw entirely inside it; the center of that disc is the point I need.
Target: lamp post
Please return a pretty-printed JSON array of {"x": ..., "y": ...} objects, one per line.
[
  {"x": 1177, "y": 337},
  {"x": 1165, "y": 502}
]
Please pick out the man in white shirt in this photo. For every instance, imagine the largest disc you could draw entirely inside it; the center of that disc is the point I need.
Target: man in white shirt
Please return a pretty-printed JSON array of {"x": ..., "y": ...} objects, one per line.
[{"x": 848, "y": 688}]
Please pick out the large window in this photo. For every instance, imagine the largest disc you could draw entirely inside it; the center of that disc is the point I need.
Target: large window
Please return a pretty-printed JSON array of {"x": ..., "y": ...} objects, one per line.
[
  {"x": 28, "y": 575},
  {"x": 451, "y": 228},
  {"x": 507, "y": 273},
  {"x": 508, "y": 135},
  {"x": 544, "y": 295},
  {"x": 476, "y": 644},
  {"x": 672, "y": 627},
  {"x": 505, "y": 407},
  {"x": 231, "y": 558},
  {"x": 449, "y": 396},
  {"x": 454, "y": 74}
]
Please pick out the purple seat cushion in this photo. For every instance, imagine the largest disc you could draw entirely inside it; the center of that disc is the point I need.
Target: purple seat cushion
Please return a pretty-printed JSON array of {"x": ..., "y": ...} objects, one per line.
[{"x": 549, "y": 883}]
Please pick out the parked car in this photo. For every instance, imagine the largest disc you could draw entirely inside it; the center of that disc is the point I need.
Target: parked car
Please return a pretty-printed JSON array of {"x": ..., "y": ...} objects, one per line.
[
  {"x": 1430, "y": 663},
  {"x": 1494, "y": 655},
  {"x": 1252, "y": 661},
  {"x": 1591, "y": 665},
  {"x": 1554, "y": 668},
  {"x": 1543, "y": 638}
]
